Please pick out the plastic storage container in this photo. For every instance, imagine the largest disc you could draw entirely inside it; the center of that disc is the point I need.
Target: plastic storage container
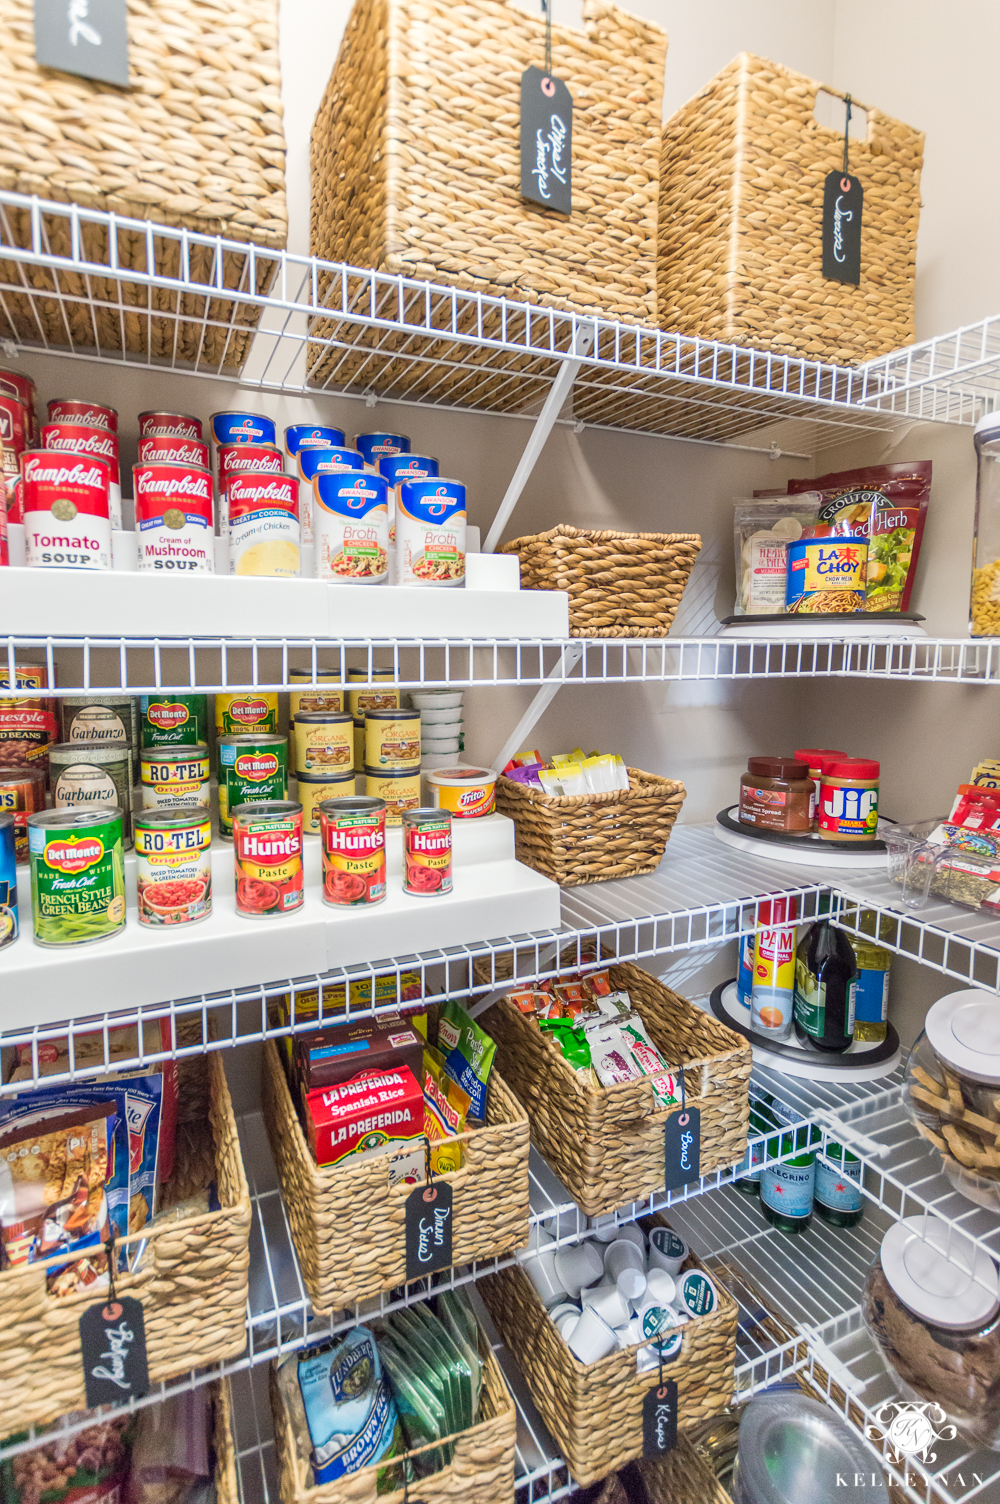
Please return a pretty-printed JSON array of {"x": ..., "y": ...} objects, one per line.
[
  {"x": 793, "y": 1450},
  {"x": 984, "y": 613}
]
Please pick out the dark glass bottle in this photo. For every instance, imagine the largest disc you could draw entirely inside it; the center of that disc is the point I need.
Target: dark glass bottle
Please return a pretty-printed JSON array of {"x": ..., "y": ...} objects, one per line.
[
  {"x": 838, "y": 1198},
  {"x": 825, "y": 976},
  {"x": 748, "y": 1174}
]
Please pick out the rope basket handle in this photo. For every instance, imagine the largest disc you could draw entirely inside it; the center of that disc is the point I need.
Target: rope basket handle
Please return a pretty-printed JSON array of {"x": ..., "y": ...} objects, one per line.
[
  {"x": 600, "y": 19},
  {"x": 877, "y": 137}
]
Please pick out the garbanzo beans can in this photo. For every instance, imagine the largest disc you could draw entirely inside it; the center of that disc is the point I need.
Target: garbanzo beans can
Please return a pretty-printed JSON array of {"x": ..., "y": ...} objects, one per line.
[
  {"x": 252, "y": 769},
  {"x": 353, "y": 833},
  {"x": 392, "y": 740},
  {"x": 172, "y": 777},
  {"x": 324, "y": 743},
  {"x": 401, "y": 791},
  {"x": 267, "y": 847},
  {"x": 174, "y": 865},
  {"x": 313, "y": 791}
]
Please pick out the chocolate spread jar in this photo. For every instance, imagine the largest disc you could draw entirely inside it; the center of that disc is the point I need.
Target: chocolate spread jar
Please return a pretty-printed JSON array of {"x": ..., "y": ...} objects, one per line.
[{"x": 776, "y": 794}]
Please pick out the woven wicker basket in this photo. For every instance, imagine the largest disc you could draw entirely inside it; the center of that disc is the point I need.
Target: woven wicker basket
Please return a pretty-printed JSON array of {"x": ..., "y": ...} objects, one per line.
[
  {"x": 594, "y": 1411},
  {"x": 227, "y": 1488},
  {"x": 192, "y": 1283},
  {"x": 620, "y": 584},
  {"x": 606, "y": 1143},
  {"x": 681, "y": 1477},
  {"x": 348, "y": 1223},
  {"x": 592, "y": 838},
  {"x": 739, "y": 254},
  {"x": 196, "y": 141},
  {"x": 480, "y": 1472}
]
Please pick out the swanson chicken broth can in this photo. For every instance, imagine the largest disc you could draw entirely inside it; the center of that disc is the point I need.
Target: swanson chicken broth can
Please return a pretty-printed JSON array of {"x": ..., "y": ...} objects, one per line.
[
  {"x": 399, "y": 467},
  {"x": 263, "y": 511},
  {"x": 14, "y": 444},
  {"x": 311, "y": 435},
  {"x": 376, "y": 447},
  {"x": 430, "y": 533},
  {"x": 173, "y": 451},
  {"x": 173, "y": 851},
  {"x": 155, "y": 425},
  {"x": 252, "y": 769},
  {"x": 319, "y": 459},
  {"x": 173, "y": 518},
  {"x": 242, "y": 459},
  {"x": 351, "y": 522},
  {"x": 172, "y": 777},
  {"x": 173, "y": 720},
  {"x": 67, "y": 516},
  {"x": 427, "y": 852},
  {"x": 79, "y": 438},
  {"x": 267, "y": 848},
  {"x": 353, "y": 837},
  {"x": 227, "y": 429}
]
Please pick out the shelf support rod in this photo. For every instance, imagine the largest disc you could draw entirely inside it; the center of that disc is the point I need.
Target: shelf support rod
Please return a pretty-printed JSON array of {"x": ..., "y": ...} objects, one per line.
[
  {"x": 583, "y": 341},
  {"x": 568, "y": 659}
]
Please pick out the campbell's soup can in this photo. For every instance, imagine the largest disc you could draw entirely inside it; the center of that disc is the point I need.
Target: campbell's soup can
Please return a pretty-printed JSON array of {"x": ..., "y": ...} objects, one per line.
[
  {"x": 13, "y": 445},
  {"x": 153, "y": 425},
  {"x": 173, "y": 518},
  {"x": 351, "y": 523},
  {"x": 252, "y": 768},
  {"x": 67, "y": 517},
  {"x": 317, "y": 459},
  {"x": 399, "y": 467},
  {"x": 92, "y": 414},
  {"x": 173, "y": 451},
  {"x": 82, "y": 438},
  {"x": 263, "y": 514},
  {"x": 267, "y": 848},
  {"x": 248, "y": 711},
  {"x": 4, "y": 545},
  {"x": 173, "y": 865},
  {"x": 173, "y": 720},
  {"x": 353, "y": 845},
  {"x": 242, "y": 459},
  {"x": 16, "y": 384},
  {"x": 430, "y": 533},
  {"x": 427, "y": 852},
  {"x": 375, "y": 447}
]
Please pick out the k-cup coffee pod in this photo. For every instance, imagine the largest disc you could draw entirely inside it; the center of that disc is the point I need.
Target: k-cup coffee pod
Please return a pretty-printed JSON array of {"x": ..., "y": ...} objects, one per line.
[
  {"x": 631, "y": 1233},
  {"x": 610, "y": 1302},
  {"x": 667, "y": 1250},
  {"x": 696, "y": 1294},
  {"x": 578, "y": 1267},
  {"x": 592, "y": 1338},
  {"x": 564, "y": 1308},
  {"x": 664, "y": 1349},
  {"x": 623, "y": 1254},
  {"x": 567, "y": 1323},
  {"x": 605, "y": 1228},
  {"x": 661, "y": 1286},
  {"x": 632, "y": 1284},
  {"x": 539, "y": 1266}
]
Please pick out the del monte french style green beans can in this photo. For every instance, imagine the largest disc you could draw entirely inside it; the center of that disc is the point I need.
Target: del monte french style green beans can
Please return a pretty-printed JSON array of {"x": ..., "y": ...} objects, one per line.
[{"x": 77, "y": 875}]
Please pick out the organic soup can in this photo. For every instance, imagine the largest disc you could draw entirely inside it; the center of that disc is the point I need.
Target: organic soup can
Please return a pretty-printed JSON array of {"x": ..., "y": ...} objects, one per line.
[
  {"x": 400, "y": 791},
  {"x": 313, "y": 791},
  {"x": 9, "y": 927},
  {"x": 246, "y": 712},
  {"x": 392, "y": 739},
  {"x": 173, "y": 720},
  {"x": 154, "y": 425},
  {"x": 427, "y": 852},
  {"x": 173, "y": 518},
  {"x": 263, "y": 512},
  {"x": 252, "y": 769},
  {"x": 77, "y": 875},
  {"x": 171, "y": 777},
  {"x": 319, "y": 459},
  {"x": 353, "y": 834},
  {"x": 242, "y": 459},
  {"x": 314, "y": 691},
  {"x": 86, "y": 775},
  {"x": 173, "y": 865},
  {"x": 351, "y": 524},
  {"x": 67, "y": 517},
  {"x": 323, "y": 742},
  {"x": 430, "y": 533},
  {"x": 267, "y": 847},
  {"x": 108, "y": 719},
  {"x": 174, "y": 451},
  {"x": 375, "y": 447},
  {"x": 80, "y": 438}
]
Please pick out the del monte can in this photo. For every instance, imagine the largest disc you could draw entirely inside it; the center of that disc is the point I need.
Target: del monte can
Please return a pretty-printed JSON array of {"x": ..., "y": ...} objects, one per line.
[
  {"x": 249, "y": 711},
  {"x": 252, "y": 769},
  {"x": 77, "y": 875},
  {"x": 173, "y": 720}
]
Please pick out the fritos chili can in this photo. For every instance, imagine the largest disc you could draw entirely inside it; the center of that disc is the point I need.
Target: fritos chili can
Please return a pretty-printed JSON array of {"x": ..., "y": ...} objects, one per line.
[
  {"x": 173, "y": 518},
  {"x": 93, "y": 414},
  {"x": 13, "y": 444},
  {"x": 263, "y": 511},
  {"x": 426, "y": 852},
  {"x": 242, "y": 459},
  {"x": 353, "y": 843},
  {"x": 252, "y": 769},
  {"x": 153, "y": 425},
  {"x": 173, "y": 865},
  {"x": 173, "y": 451},
  {"x": 16, "y": 384},
  {"x": 267, "y": 848},
  {"x": 67, "y": 519},
  {"x": 81, "y": 438}
]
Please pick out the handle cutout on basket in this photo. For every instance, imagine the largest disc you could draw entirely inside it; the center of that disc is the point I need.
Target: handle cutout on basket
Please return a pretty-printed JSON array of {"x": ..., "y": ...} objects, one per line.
[{"x": 829, "y": 110}]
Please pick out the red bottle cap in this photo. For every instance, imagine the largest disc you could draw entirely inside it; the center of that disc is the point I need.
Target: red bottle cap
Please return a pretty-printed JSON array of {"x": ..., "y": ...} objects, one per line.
[
  {"x": 778, "y": 910},
  {"x": 777, "y": 767},
  {"x": 860, "y": 768},
  {"x": 814, "y": 755}
]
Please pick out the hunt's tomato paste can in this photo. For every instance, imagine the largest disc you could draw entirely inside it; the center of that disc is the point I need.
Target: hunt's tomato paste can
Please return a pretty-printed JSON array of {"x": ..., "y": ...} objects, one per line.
[
  {"x": 242, "y": 459},
  {"x": 263, "y": 514},
  {"x": 173, "y": 451},
  {"x": 13, "y": 444},
  {"x": 153, "y": 425},
  {"x": 427, "y": 852},
  {"x": 173, "y": 518},
  {"x": 91, "y": 414},
  {"x": 67, "y": 519},
  {"x": 267, "y": 847},
  {"x": 352, "y": 832},
  {"x": 82, "y": 438}
]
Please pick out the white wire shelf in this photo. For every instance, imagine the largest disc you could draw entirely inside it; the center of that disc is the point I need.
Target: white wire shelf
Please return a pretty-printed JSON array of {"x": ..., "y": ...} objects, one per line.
[
  {"x": 958, "y": 942},
  {"x": 952, "y": 378}
]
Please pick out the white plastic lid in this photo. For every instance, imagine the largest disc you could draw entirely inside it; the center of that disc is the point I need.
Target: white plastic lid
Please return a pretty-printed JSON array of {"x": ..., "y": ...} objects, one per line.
[
  {"x": 964, "y": 1031},
  {"x": 460, "y": 776},
  {"x": 940, "y": 1274},
  {"x": 988, "y": 423}
]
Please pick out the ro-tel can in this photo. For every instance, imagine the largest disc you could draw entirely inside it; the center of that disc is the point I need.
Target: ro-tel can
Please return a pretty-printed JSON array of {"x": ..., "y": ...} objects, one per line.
[
  {"x": 13, "y": 445},
  {"x": 351, "y": 523},
  {"x": 86, "y": 775},
  {"x": 848, "y": 799},
  {"x": 430, "y": 533},
  {"x": 67, "y": 518},
  {"x": 16, "y": 384},
  {"x": 77, "y": 875},
  {"x": 376, "y": 446},
  {"x": 826, "y": 575},
  {"x": 249, "y": 711},
  {"x": 22, "y": 792},
  {"x": 313, "y": 792},
  {"x": 773, "y": 987},
  {"x": 324, "y": 743},
  {"x": 253, "y": 769},
  {"x": 8, "y": 879},
  {"x": 399, "y": 467},
  {"x": 173, "y": 518},
  {"x": 319, "y": 459},
  {"x": 392, "y": 740},
  {"x": 242, "y": 459},
  {"x": 400, "y": 791},
  {"x": 153, "y": 425},
  {"x": 353, "y": 833},
  {"x": 171, "y": 777},
  {"x": 80, "y": 438},
  {"x": 427, "y": 852},
  {"x": 173, "y": 720},
  {"x": 263, "y": 512},
  {"x": 93, "y": 414},
  {"x": 267, "y": 848},
  {"x": 173, "y": 850},
  {"x": 314, "y": 435},
  {"x": 111, "y": 720},
  {"x": 170, "y": 451},
  {"x": 315, "y": 691}
]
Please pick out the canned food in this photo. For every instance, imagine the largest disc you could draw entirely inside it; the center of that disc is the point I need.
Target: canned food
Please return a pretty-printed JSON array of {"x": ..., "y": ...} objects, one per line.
[
  {"x": 154, "y": 425},
  {"x": 401, "y": 791},
  {"x": 16, "y": 384},
  {"x": 93, "y": 414},
  {"x": 319, "y": 459},
  {"x": 311, "y": 696},
  {"x": 29, "y": 676},
  {"x": 173, "y": 720},
  {"x": 108, "y": 719},
  {"x": 79, "y": 438},
  {"x": 826, "y": 575},
  {"x": 399, "y": 467},
  {"x": 465, "y": 792},
  {"x": 173, "y": 451},
  {"x": 353, "y": 833},
  {"x": 246, "y": 712},
  {"x": 267, "y": 848},
  {"x": 368, "y": 691},
  {"x": 13, "y": 446},
  {"x": 426, "y": 852},
  {"x": 297, "y": 434},
  {"x": 77, "y": 875},
  {"x": 313, "y": 791},
  {"x": 324, "y": 742},
  {"x": 375, "y": 447},
  {"x": 25, "y": 736},
  {"x": 9, "y": 928},
  {"x": 392, "y": 739},
  {"x": 242, "y": 459},
  {"x": 174, "y": 865},
  {"x": 351, "y": 526},
  {"x": 22, "y": 792},
  {"x": 263, "y": 512},
  {"x": 252, "y": 769},
  {"x": 86, "y": 775},
  {"x": 359, "y": 744},
  {"x": 67, "y": 518},
  {"x": 171, "y": 777},
  {"x": 430, "y": 532},
  {"x": 240, "y": 428},
  {"x": 174, "y": 523}
]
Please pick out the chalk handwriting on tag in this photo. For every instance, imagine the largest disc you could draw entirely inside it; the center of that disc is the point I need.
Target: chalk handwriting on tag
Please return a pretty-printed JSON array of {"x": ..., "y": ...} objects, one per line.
[
  {"x": 546, "y": 141},
  {"x": 87, "y": 37},
  {"x": 843, "y": 198},
  {"x": 113, "y": 1350},
  {"x": 659, "y": 1419},
  {"x": 428, "y": 1229},
  {"x": 682, "y": 1148}
]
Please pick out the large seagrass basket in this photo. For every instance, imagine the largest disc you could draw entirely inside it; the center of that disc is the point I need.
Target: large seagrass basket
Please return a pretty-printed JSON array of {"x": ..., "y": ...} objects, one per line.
[
  {"x": 606, "y": 1143},
  {"x": 196, "y": 142},
  {"x": 192, "y": 1281},
  {"x": 739, "y": 253},
  {"x": 227, "y": 1488},
  {"x": 347, "y": 1221}
]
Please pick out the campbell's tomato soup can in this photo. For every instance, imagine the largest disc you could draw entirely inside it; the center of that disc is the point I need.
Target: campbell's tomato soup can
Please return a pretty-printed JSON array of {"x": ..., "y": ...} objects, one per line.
[
  {"x": 173, "y": 865},
  {"x": 13, "y": 444},
  {"x": 226, "y": 429},
  {"x": 81, "y": 438},
  {"x": 430, "y": 532},
  {"x": 263, "y": 514},
  {"x": 376, "y": 447},
  {"x": 173, "y": 451},
  {"x": 67, "y": 516},
  {"x": 91, "y": 414},
  {"x": 16, "y": 384},
  {"x": 153, "y": 425},
  {"x": 235, "y": 714},
  {"x": 4, "y": 545},
  {"x": 353, "y": 836},
  {"x": 243, "y": 459},
  {"x": 351, "y": 524},
  {"x": 267, "y": 848},
  {"x": 318, "y": 459},
  {"x": 252, "y": 769},
  {"x": 173, "y": 518},
  {"x": 427, "y": 852}
]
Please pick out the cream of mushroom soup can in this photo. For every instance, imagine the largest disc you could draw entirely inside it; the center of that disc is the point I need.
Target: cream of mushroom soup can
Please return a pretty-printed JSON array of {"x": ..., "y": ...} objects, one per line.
[
  {"x": 430, "y": 532},
  {"x": 66, "y": 510},
  {"x": 173, "y": 518}
]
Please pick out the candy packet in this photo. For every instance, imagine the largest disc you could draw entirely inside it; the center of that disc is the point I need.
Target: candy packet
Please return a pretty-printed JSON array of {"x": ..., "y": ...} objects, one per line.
[
  {"x": 446, "y": 1107},
  {"x": 469, "y": 1052},
  {"x": 572, "y": 1041},
  {"x": 611, "y": 1055}
]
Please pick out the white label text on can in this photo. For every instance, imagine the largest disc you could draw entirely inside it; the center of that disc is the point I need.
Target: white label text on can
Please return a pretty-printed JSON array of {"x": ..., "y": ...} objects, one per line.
[
  {"x": 318, "y": 459},
  {"x": 242, "y": 459},
  {"x": 351, "y": 520},
  {"x": 67, "y": 522},
  {"x": 92, "y": 414},
  {"x": 399, "y": 467},
  {"x": 169, "y": 426},
  {"x": 263, "y": 524},
  {"x": 173, "y": 518},
  {"x": 172, "y": 782},
  {"x": 170, "y": 450},
  {"x": 430, "y": 533},
  {"x": 79, "y": 438}
]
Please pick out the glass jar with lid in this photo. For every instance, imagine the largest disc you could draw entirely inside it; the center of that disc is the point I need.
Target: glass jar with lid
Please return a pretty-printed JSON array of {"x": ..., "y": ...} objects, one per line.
[
  {"x": 984, "y": 611},
  {"x": 776, "y": 793}
]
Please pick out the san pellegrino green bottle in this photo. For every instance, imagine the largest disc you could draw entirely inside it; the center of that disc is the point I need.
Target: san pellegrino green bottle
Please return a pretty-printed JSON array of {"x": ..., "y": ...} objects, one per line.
[{"x": 838, "y": 1186}]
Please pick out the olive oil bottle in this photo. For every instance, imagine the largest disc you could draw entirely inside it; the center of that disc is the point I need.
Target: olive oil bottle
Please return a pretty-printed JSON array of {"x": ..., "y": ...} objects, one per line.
[{"x": 871, "y": 999}]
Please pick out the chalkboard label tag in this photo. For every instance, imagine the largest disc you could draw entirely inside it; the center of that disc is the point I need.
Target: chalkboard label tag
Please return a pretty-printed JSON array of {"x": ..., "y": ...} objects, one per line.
[
  {"x": 682, "y": 1148},
  {"x": 86, "y": 37},
  {"x": 843, "y": 197},
  {"x": 428, "y": 1229},
  {"x": 659, "y": 1419},
  {"x": 113, "y": 1349},
  {"x": 546, "y": 141}
]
